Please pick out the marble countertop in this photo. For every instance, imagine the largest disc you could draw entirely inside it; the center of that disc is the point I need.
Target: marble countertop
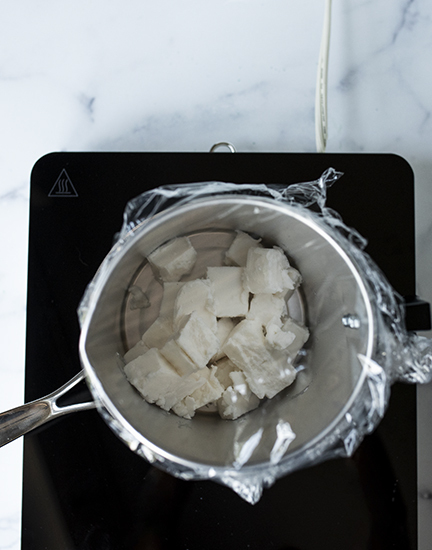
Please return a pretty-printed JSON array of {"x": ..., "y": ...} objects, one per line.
[{"x": 181, "y": 76}]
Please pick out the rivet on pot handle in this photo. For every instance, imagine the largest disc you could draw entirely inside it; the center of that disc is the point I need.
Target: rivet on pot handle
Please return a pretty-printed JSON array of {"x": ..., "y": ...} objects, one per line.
[{"x": 17, "y": 422}]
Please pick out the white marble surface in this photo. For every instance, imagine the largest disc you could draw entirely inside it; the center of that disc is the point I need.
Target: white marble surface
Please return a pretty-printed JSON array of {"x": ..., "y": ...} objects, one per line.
[{"x": 179, "y": 76}]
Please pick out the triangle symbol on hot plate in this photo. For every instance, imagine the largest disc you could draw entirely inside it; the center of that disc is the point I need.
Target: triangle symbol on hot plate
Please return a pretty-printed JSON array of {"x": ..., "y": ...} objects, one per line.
[{"x": 63, "y": 186}]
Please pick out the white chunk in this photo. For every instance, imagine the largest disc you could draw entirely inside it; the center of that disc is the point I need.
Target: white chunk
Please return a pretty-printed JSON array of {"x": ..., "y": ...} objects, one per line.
[
  {"x": 170, "y": 291},
  {"x": 237, "y": 399},
  {"x": 153, "y": 377},
  {"x": 267, "y": 308},
  {"x": 224, "y": 327},
  {"x": 185, "y": 388},
  {"x": 245, "y": 345},
  {"x": 278, "y": 338},
  {"x": 277, "y": 373},
  {"x": 223, "y": 370},
  {"x": 197, "y": 340},
  {"x": 174, "y": 259},
  {"x": 157, "y": 381},
  {"x": 195, "y": 296},
  {"x": 301, "y": 336},
  {"x": 232, "y": 405},
  {"x": 138, "y": 349},
  {"x": 239, "y": 383},
  {"x": 267, "y": 272},
  {"x": 175, "y": 355},
  {"x": 158, "y": 333},
  {"x": 230, "y": 299},
  {"x": 185, "y": 408},
  {"x": 210, "y": 390},
  {"x": 237, "y": 252},
  {"x": 264, "y": 372}
]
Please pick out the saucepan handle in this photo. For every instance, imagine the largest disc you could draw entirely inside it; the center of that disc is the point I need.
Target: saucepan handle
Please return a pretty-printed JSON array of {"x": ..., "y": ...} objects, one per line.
[{"x": 17, "y": 422}]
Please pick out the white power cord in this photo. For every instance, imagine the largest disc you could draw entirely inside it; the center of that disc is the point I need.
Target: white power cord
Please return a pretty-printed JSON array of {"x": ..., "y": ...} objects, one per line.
[{"x": 321, "y": 86}]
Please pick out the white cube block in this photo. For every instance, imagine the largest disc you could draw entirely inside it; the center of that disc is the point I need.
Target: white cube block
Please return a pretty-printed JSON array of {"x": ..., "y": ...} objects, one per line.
[
  {"x": 266, "y": 271},
  {"x": 246, "y": 348},
  {"x": 196, "y": 339},
  {"x": 267, "y": 308},
  {"x": 277, "y": 373},
  {"x": 224, "y": 368},
  {"x": 237, "y": 252},
  {"x": 175, "y": 355},
  {"x": 245, "y": 345},
  {"x": 278, "y": 338},
  {"x": 153, "y": 377},
  {"x": 185, "y": 408},
  {"x": 230, "y": 299},
  {"x": 158, "y": 382},
  {"x": 265, "y": 373},
  {"x": 237, "y": 399},
  {"x": 208, "y": 392},
  {"x": 174, "y": 259},
  {"x": 185, "y": 388},
  {"x": 195, "y": 296}
]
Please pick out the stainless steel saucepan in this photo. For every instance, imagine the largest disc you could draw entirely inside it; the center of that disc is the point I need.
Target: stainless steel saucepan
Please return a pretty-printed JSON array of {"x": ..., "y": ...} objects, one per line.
[{"x": 335, "y": 303}]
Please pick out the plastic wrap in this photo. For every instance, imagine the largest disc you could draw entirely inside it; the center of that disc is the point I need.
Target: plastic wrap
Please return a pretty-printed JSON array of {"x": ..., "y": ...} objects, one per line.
[{"x": 269, "y": 442}]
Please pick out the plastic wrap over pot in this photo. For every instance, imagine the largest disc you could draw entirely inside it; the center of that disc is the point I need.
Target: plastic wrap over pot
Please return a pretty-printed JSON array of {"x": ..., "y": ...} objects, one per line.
[{"x": 358, "y": 344}]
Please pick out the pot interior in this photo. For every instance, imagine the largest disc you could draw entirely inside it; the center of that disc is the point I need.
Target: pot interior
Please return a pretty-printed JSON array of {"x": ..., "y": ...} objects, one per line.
[{"x": 330, "y": 374}]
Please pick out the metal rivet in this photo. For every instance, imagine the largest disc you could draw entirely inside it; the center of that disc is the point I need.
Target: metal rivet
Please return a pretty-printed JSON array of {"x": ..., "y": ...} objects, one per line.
[{"x": 351, "y": 321}]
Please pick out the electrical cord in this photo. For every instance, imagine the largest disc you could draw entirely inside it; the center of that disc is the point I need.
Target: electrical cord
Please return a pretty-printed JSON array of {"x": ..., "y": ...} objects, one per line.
[{"x": 321, "y": 123}]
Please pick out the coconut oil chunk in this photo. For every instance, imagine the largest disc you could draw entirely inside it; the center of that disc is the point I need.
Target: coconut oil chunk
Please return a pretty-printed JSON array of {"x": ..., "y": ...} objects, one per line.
[
  {"x": 237, "y": 399},
  {"x": 267, "y": 271},
  {"x": 224, "y": 368},
  {"x": 238, "y": 251},
  {"x": 266, "y": 373},
  {"x": 197, "y": 340},
  {"x": 230, "y": 299},
  {"x": 278, "y": 338},
  {"x": 158, "y": 382},
  {"x": 208, "y": 392},
  {"x": 268, "y": 308},
  {"x": 153, "y": 377},
  {"x": 195, "y": 297},
  {"x": 174, "y": 259},
  {"x": 175, "y": 355}
]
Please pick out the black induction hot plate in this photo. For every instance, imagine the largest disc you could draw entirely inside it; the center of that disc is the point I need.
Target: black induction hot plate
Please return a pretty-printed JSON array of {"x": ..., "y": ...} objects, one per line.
[{"x": 84, "y": 489}]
